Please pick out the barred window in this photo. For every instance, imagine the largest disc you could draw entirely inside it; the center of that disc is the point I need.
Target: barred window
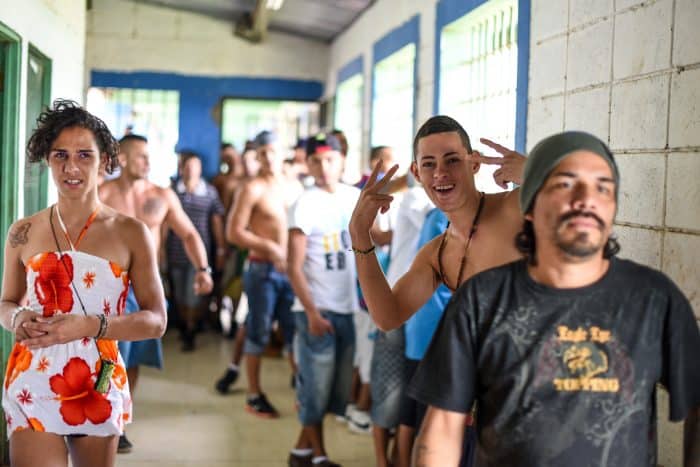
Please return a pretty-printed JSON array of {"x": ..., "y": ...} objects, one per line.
[
  {"x": 348, "y": 118},
  {"x": 242, "y": 119},
  {"x": 152, "y": 113},
  {"x": 393, "y": 103},
  {"x": 478, "y": 76}
]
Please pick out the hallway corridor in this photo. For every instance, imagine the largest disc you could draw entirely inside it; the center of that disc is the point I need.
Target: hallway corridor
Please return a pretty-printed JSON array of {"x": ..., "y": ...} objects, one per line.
[{"x": 180, "y": 421}]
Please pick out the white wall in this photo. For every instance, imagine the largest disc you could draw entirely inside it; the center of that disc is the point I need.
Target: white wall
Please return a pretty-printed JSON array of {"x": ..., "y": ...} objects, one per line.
[
  {"x": 126, "y": 36},
  {"x": 57, "y": 29},
  {"x": 625, "y": 70}
]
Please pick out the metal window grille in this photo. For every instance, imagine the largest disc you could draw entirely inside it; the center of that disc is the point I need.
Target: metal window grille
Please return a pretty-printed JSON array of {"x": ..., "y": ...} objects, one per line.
[
  {"x": 152, "y": 113},
  {"x": 348, "y": 117},
  {"x": 478, "y": 76}
]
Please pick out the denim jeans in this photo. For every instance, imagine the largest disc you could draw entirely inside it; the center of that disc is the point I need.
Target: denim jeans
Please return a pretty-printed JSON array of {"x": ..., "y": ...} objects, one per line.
[
  {"x": 325, "y": 367},
  {"x": 270, "y": 297}
]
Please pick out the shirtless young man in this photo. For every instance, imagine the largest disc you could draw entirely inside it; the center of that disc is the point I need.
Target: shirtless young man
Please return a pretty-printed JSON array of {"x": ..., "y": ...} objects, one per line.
[
  {"x": 226, "y": 183},
  {"x": 480, "y": 234},
  {"x": 133, "y": 195},
  {"x": 258, "y": 222},
  {"x": 445, "y": 164}
]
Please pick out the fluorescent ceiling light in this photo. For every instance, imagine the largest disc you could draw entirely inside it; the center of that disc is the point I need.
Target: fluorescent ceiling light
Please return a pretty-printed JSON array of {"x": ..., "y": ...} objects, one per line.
[{"x": 274, "y": 4}]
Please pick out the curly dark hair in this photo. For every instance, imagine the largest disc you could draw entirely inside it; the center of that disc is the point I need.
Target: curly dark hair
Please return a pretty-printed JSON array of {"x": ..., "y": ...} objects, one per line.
[
  {"x": 525, "y": 243},
  {"x": 66, "y": 114}
]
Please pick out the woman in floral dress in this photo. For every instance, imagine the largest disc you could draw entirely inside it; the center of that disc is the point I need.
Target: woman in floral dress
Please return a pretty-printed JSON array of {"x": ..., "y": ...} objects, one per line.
[{"x": 66, "y": 276}]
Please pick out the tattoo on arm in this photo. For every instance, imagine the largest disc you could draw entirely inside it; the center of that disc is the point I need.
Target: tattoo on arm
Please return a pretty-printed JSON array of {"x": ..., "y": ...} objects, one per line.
[
  {"x": 18, "y": 236},
  {"x": 420, "y": 455}
]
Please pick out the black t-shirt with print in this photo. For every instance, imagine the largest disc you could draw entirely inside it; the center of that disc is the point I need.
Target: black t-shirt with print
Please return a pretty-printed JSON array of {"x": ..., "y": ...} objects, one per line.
[{"x": 564, "y": 377}]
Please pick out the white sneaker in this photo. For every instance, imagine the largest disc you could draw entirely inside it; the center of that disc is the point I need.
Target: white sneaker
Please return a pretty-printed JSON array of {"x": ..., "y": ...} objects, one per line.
[
  {"x": 349, "y": 409},
  {"x": 360, "y": 422}
]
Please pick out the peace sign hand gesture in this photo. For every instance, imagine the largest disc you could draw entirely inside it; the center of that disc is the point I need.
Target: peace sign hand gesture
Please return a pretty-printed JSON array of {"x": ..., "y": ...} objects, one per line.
[
  {"x": 511, "y": 163},
  {"x": 370, "y": 202}
]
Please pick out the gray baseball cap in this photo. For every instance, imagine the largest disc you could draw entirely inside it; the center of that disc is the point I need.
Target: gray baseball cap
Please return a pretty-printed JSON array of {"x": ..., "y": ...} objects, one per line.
[{"x": 545, "y": 156}]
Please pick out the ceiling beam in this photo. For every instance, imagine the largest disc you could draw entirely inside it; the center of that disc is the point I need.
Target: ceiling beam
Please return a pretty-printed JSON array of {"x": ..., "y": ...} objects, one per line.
[{"x": 253, "y": 26}]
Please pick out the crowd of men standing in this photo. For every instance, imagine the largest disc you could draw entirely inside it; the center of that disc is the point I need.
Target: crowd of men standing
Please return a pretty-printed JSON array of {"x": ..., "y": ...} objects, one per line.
[{"x": 544, "y": 336}]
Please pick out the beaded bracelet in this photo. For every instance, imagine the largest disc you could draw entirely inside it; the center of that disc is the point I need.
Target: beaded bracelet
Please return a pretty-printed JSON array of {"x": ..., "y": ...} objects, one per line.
[
  {"x": 103, "y": 327},
  {"x": 362, "y": 252}
]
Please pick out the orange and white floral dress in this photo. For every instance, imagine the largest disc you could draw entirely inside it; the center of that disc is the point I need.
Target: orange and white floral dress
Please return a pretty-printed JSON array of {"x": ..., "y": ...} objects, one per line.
[{"x": 52, "y": 389}]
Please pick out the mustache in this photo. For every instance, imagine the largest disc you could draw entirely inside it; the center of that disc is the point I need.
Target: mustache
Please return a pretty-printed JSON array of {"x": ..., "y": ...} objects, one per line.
[{"x": 571, "y": 214}]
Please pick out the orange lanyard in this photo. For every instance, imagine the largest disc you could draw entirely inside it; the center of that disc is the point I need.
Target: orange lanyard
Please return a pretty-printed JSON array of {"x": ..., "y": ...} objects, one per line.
[{"x": 73, "y": 246}]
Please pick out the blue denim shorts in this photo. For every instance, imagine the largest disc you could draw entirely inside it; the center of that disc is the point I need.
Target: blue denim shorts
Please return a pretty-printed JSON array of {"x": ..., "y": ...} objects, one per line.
[
  {"x": 148, "y": 352},
  {"x": 325, "y": 367},
  {"x": 388, "y": 378},
  {"x": 270, "y": 297}
]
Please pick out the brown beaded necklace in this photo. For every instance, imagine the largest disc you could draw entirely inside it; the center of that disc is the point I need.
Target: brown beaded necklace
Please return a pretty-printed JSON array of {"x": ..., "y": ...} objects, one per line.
[{"x": 463, "y": 262}]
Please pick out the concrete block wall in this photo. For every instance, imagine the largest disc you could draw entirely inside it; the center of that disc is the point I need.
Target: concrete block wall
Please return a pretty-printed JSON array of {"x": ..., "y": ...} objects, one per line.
[
  {"x": 629, "y": 72},
  {"x": 57, "y": 29}
]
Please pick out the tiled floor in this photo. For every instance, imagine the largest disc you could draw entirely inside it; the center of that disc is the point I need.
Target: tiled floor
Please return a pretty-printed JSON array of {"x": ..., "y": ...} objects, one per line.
[{"x": 181, "y": 421}]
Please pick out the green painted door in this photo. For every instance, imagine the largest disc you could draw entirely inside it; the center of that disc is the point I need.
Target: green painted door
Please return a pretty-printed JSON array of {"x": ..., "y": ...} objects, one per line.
[
  {"x": 10, "y": 53},
  {"x": 38, "y": 98}
]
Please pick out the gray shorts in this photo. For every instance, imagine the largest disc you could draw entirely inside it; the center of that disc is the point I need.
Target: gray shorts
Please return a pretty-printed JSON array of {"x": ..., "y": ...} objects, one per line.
[
  {"x": 388, "y": 378},
  {"x": 182, "y": 285}
]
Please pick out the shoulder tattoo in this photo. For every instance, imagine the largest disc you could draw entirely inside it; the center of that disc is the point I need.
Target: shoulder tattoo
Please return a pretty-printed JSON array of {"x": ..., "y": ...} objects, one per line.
[
  {"x": 18, "y": 236},
  {"x": 152, "y": 205}
]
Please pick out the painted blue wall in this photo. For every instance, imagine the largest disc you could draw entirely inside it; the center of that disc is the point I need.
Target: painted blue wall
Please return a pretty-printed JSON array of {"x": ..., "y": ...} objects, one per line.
[
  {"x": 448, "y": 11},
  {"x": 350, "y": 69},
  {"x": 200, "y": 96}
]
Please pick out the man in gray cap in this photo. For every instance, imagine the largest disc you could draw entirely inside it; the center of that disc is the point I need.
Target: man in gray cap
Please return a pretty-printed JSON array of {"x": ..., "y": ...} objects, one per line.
[{"x": 562, "y": 350}]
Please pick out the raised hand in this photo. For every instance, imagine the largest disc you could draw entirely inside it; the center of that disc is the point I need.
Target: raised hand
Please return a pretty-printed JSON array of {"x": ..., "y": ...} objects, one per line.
[
  {"x": 511, "y": 163},
  {"x": 371, "y": 201}
]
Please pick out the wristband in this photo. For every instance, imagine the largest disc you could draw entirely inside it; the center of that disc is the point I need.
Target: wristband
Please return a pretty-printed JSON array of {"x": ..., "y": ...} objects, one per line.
[{"x": 357, "y": 251}]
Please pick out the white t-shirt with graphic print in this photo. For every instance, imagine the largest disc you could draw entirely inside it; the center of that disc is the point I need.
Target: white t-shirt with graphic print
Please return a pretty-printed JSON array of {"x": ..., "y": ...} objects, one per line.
[{"x": 329, "y": 265}]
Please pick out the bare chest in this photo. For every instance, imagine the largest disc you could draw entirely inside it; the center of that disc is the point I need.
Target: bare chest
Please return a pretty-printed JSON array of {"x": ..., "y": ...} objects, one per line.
[
  {"x": 271, "y": 206},
  {"x": 455, "y": 261},
  {"x": 149, "y": 208}
]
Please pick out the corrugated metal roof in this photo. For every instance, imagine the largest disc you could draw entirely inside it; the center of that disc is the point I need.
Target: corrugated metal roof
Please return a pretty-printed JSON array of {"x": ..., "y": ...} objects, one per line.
[{"x": 321, "y": 20}]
